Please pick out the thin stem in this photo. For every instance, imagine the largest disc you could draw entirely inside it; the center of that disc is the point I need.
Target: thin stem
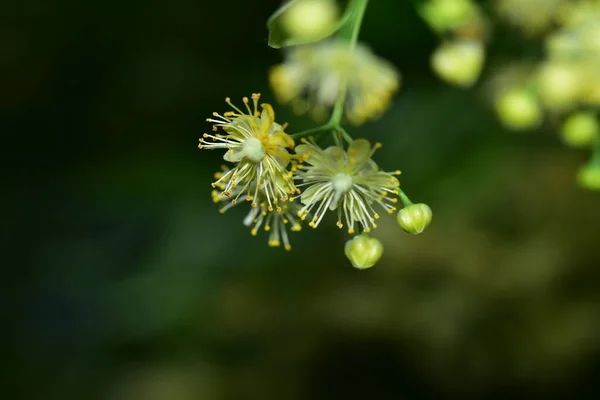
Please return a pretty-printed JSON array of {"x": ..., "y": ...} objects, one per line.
[
  {"x": 404, "y": 198},
  {"x": 308, "y": 132},
  {"x": 350, "y": 32},
  {"x": 359, "y": 7},
  {"x": 341, "y": 131},
  {"x": 336, "y": 138}
]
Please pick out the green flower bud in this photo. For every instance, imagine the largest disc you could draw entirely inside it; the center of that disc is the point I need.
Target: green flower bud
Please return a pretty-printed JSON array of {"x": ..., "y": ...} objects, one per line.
[
  {"x": 559, "y": 85},
  {"x": 311, "y": 19},
  {"x": 518, "y": 109},
  {"x": 443, "y": 15},
  {"x": 458, "y": 62},
  {"x": 363, "y": 251},
  {"x": 580, "y": 129},
  {"x": 588, "y": 177},
  {"x": 415, "y": 218}
]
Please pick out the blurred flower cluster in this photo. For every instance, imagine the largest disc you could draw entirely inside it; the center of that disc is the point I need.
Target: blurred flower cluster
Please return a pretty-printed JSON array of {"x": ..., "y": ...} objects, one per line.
[
  {"x": 314, "y": 77},
  {"x": 560, "y": 88},
  {"x": 327, "y": 73},
  {"x": 462, "y": 27}
]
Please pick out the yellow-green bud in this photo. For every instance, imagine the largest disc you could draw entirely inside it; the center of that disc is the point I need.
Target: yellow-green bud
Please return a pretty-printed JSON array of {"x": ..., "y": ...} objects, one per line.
[
  {"x": 519, "y": 109},
  {"x": 363, "y": 251},
  {"x": 310, "y": 18},
  {"x": 458, "y": 62},
  {"x": 560, "y": 46},
  {"x": 415, "y": 218},
  {"x": 580, "y": 129},
  {"x": 444, "y": 15},
  {"x": 559, "y": 85},
  {"x": 591, "y": 38},
  {"x": 588, "y": 177}
]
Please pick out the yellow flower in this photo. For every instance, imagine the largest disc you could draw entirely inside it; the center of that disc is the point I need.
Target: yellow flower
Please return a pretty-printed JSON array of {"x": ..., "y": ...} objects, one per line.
[
  {"x": 313, "y": 77},
  {"x": 347, "y": 181},
  {"x": 273, "y": 220},
  {"x": 257, "y": 145}
]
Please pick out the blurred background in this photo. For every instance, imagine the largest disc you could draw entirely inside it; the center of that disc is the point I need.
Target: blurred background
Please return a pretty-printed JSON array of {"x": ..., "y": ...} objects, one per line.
[{"x": 122, "y": 280}]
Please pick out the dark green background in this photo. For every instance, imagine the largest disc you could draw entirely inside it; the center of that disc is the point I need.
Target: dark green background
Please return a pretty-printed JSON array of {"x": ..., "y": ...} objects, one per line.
[{"x": 122, "y": 281}]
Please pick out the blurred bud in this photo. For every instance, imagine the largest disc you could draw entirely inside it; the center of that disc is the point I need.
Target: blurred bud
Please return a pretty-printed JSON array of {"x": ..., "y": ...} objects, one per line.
[
  {"x": 311, "y": 19},
  {"x": 591, "y": 38},
  {"x": 588, "y": 177},
  {"x": 560, "y": 46},
  {"x": 459, "y": 62},
  {"x": 580, "y": 129},
  {"x": 591, "y": 93},
  {"x": 519, "y": 109},
  {"x": 415, "y": 218},
  {"x": 559, "y": 85},
  {"x": 444, "y": 15},
  {"x": 363, "y": 251}
]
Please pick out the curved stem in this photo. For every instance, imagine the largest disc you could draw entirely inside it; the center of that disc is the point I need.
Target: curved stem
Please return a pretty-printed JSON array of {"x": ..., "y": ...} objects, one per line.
[
  {"x": 308, "y": 132},
  {"x": 404, "y": 198}
]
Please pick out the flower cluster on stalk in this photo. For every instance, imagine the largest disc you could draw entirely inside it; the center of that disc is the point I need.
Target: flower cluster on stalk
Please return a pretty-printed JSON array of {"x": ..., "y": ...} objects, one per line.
[{"x": 284, "y": 183}]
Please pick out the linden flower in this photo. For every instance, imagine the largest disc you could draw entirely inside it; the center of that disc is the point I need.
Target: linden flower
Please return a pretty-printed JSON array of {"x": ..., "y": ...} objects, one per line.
[
  {"x": 258, "y": 145},
  {"x": 346, "y": 181},
  {"x": 275, "y": 221},
  {"x": 313, "y": 77}
]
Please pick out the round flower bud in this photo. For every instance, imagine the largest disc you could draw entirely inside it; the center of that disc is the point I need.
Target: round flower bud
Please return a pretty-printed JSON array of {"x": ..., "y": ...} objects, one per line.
[
  {"x": 444, "y": 15},
  {"x": 458, "y": 62},
  {"x": 591, "y": 93},
  {"x": 591, "y": 38},
  {"x": 363, "y": 251},
  {"x": 415, "y": 218},
  {"x": 518, "y": 109},
  {"x": 580, "y": 129},
  {"x": 559, "y": 85},
  {"x": 310, "y": 18},
  {"x": 588, "y": 177},
  {"x": 560, "y": 46}
]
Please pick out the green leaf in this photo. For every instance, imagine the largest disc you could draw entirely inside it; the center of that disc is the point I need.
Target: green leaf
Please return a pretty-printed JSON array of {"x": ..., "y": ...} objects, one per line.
[{"x": 280, "y": 37}]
